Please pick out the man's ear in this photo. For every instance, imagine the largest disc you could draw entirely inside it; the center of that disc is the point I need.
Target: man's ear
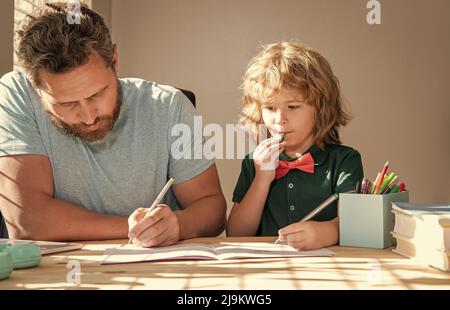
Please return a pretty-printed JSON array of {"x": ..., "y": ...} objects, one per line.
[{"x": 115, "y": 60}]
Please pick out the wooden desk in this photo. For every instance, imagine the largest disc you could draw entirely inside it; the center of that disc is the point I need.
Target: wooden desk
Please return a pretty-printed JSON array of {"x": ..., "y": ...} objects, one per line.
[{"x": 350, "y": 268}]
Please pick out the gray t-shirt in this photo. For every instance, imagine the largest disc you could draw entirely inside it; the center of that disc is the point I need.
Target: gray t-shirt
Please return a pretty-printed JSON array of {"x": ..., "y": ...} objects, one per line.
[{"x": 123, "y": 171}]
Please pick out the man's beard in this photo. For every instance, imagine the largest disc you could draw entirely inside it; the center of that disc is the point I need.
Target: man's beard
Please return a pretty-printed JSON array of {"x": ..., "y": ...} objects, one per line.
[{"x": 106, "y": 123}]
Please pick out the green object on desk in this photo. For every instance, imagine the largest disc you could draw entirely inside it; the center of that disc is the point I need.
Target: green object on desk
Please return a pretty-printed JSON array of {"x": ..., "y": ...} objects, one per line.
[
  {"x": 23, "y": 255},
  {"x": 6, "y": 265}
]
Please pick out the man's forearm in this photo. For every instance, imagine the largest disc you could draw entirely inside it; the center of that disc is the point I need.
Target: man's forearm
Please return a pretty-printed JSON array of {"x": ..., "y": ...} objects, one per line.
[
  {"x": 58, "y": 220},
  {"x": 204, "y": 218}
]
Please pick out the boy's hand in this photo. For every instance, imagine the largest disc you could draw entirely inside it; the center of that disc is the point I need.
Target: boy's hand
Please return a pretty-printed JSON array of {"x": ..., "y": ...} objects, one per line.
[
  {"x": 265, "y": 158},
  {"x": 310, "y": 235}
]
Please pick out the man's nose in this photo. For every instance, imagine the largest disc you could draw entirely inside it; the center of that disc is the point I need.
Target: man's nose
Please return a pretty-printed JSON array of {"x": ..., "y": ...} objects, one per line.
[{"x": 88, "y": 113}]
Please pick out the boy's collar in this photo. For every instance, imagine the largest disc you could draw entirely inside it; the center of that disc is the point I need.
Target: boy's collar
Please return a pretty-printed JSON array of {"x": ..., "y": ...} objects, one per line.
[{"x": 319, "y": 155}]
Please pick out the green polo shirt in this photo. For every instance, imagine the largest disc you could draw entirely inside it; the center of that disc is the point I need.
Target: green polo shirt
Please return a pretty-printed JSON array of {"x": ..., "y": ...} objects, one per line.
[{"x": 337, "y": 169}]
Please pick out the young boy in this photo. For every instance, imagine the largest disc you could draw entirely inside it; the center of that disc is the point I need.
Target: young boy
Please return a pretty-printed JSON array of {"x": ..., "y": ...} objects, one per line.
[{"x": 291, "y": 89}]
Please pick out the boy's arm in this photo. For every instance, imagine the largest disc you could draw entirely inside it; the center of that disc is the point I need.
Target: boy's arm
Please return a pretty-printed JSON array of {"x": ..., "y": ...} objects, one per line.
[
  {"x": 329, "y": 235},
  {"x": 245, "y": 217},
  {"x": 31, "y": 212}
]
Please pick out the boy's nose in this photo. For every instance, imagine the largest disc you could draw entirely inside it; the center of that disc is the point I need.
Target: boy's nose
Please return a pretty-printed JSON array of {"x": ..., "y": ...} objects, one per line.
[{"x": 281, "y": 119}]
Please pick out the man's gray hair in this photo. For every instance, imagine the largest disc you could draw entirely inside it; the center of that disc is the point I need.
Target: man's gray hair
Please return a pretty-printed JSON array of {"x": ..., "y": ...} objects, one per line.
[{"x": 46, "y": 40}]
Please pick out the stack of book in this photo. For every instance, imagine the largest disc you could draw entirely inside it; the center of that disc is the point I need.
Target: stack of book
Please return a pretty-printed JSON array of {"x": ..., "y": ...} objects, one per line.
[{"x": 422, "y": 232}]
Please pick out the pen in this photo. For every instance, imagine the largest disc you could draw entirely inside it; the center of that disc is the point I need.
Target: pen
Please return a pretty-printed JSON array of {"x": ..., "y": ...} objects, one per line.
[
  {"x": 363, "y": 185},
  {"x": 317, "y": 210},
  {"x": 158, "y": 199}
]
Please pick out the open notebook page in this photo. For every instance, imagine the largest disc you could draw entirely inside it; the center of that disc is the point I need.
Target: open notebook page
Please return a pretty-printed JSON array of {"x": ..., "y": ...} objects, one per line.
[{"x": 219, "y": 251}]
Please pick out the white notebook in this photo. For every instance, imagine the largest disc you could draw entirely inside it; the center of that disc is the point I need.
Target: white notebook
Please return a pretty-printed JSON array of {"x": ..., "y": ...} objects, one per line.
[
  {"x": 130, "y": 253},
  {"x": 47, "y": 247}
]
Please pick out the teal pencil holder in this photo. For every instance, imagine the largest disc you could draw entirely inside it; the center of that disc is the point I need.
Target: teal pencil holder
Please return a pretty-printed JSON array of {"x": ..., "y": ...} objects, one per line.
[{"x": 366, "y": 220}]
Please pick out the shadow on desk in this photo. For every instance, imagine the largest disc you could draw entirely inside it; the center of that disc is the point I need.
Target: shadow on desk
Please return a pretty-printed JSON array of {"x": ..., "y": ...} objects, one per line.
[{"x": 350, "y": 268}]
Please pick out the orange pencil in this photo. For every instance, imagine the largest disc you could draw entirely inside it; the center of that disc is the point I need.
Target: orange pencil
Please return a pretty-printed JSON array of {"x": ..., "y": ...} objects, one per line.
[{"x": 380, "y": 180}]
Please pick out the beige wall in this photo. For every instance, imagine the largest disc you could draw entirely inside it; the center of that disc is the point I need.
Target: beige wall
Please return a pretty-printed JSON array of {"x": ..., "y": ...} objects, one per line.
[
  {"x": 6, "y": 35},
  {"x": 395, "y": 76},
  {"x": 104, "y": 8}
]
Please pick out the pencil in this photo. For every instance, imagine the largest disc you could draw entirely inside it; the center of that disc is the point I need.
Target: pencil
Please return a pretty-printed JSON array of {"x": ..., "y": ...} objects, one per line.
[
  {"x": 376, "y": 182},
  {"x": 380, "y": 180},
  {"x": 158, "y": 199},
  {"x": 160, "y": 196},
  {"x": 322, "y": 206}
]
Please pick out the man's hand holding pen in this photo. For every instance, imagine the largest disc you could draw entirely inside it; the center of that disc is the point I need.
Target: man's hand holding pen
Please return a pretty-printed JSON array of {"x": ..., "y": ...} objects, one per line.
[{"x": 158, "y": 228}]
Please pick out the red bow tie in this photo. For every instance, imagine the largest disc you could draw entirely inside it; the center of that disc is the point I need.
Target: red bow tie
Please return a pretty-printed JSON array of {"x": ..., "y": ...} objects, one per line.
[{"x": 304, "y": 163}]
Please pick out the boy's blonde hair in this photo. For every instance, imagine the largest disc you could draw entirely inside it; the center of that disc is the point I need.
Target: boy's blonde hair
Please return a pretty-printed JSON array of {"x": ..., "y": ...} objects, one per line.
[{"x": 297, "y": 66}]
